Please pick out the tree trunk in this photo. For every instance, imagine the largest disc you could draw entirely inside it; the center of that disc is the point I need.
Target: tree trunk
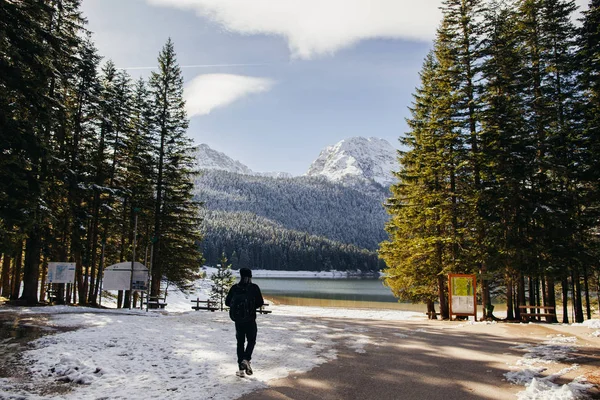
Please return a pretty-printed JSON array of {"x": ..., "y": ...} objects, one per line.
[
  {"x": 127, "y": 299},
  {"x": 598, "y": 291},
  {"x": 16, "y": 277},
  {"x": 60, "y": 294},
  {"x": 136, "y": 297},
  {"x": 586, "y": 289},
  {"x": 43, "y": 278},
  {"x": 565, "y": 299},
  {"x": 577, "y": 296},
  {"x": 520, "y": 295},
  {"x": 431, "y": 314},
  {"x": 5, "y": 287},
  {"x": 68, "y": 289},
  {"x": 120, "y": 299},
  {"x": 31, "y": 270},
  {"x": 485, "y": 293},
  {"x": 444, "y": 310},
  {"x": 532, "y": 301},
  {"x": 79, "y": 290},
  {"x": 97, "y": 289},
  {"x": 550, "y": 299},
  {"x": 92, "y": 295},
  {"x": 509, "y": 298}
]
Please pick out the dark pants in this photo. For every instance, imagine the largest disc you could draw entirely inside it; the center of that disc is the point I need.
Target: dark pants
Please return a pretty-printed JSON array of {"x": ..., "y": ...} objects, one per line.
[{"x": 245, "y": 331}]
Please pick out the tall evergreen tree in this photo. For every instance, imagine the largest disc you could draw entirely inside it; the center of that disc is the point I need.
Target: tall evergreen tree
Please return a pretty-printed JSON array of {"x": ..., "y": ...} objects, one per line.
[
  {"x": 176, "y": 253},
  {"x": 62, "y": 26},
  {"x": 83, "y": 109},
  {"x": 25, "y": 70},
  {"x": 507, "y": 165},
  {"x": 424, "y": 230},
  {"x": 462, "y": 35},
  {"x": 548, "y": 90}
]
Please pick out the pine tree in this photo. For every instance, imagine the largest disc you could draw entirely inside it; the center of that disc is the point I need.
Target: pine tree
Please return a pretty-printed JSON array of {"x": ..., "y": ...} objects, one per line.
[
  {"x": 507, "y": 166},
  {"x": 424, "y": 230},
  {"x": 138, "y": 172},
  {"x": 176, "y": 252},
  {"x": 83, "y": 105},
  {"x": 548, "y": 93},
  {"x": 462, "y": 34},
  {"x": 222, "y": 281},
  {"x": 61, "y": 25},
  {"x": 25, "y": 70}
]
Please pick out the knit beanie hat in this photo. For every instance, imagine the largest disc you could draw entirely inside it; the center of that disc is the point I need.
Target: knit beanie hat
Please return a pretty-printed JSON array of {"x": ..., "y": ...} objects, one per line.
[{"x": 245, "y": 272}]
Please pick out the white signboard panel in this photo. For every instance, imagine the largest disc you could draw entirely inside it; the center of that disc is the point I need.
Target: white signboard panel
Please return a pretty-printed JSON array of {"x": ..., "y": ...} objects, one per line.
[
  {"x": 117, "y": 276},
  {"x": 463, "y": 305},
  {"x": 61, "y": 272}
]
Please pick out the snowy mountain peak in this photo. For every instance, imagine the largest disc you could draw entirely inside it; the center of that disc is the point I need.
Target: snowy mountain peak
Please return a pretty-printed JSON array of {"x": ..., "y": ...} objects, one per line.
[
  {"x": 208, "y": 158},
  {"x": 357, "y": 159}
]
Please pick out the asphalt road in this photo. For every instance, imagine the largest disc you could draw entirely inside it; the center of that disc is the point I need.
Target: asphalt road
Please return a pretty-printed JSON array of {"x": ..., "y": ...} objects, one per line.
[{"x": 428, "y": 360}]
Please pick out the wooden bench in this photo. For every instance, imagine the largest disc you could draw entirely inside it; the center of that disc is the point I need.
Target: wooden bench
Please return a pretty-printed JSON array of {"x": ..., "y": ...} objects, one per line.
[
  {"x": 159, "y": 302},
  {"x": 210, "y": 305},
  {"x": 545, "y": 311},
  {"x": 261, "y": 310}
]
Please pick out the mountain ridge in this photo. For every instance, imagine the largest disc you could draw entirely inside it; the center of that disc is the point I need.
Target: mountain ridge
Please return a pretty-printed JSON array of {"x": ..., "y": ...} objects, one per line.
[
  {"x": 357, "y": 159},
  {"x": 330, "y": 218},
  {"x": 352, "y": 161}
]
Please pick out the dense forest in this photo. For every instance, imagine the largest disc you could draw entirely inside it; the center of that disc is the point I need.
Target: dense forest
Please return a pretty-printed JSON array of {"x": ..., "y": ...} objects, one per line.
[
  {"x": 252, "y": 241},
  {"x": 352, "y": 215},
  {"x": 501, "y": 172},
  {"x": 88, "y": 157}
]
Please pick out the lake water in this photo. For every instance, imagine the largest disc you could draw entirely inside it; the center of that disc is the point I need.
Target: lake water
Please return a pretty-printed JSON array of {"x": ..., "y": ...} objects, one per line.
[{"x": 361, "y": 293}]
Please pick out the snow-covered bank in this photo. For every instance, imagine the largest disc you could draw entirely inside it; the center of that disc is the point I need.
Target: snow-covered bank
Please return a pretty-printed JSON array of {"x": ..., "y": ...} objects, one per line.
[
  {"x": 267, "y": 273},
  {"x": 263, "y": 273}
]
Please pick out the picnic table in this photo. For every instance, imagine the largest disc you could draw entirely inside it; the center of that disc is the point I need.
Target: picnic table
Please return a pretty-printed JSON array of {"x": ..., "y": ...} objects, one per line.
[
  {"x": 536, "y": 311},
  {"x": 210, "y": 305},
  {"x": 156, "y": 302}
]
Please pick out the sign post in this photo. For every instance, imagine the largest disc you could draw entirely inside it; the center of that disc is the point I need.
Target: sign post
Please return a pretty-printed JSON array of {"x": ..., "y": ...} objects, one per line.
[
  {"x": 135, "y": 212},
  {"x": 462, "y": 289}
]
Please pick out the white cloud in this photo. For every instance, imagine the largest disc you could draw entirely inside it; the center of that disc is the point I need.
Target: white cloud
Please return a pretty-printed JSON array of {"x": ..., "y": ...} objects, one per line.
[
  {"x": 317, "y": 27},
  {"x": 209, "y": 91}
]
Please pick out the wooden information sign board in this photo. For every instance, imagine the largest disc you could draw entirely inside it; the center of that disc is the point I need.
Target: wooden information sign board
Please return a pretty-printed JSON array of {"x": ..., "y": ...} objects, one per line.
[{"x": 462, "y": 289}]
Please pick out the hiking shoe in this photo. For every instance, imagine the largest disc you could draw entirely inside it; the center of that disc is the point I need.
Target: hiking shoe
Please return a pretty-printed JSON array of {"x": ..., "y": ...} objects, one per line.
[
  {"x": 240, "y": 373},
  {"x": 246, "y": 365}
]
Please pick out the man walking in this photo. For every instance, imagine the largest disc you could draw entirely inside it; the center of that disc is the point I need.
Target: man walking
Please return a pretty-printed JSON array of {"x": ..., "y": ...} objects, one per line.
[{"x": 243, "y": 299}]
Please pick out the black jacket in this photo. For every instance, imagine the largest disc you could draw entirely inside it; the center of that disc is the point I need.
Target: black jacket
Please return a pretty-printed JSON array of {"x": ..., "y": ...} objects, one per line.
[{"x": 253, "y": 289}]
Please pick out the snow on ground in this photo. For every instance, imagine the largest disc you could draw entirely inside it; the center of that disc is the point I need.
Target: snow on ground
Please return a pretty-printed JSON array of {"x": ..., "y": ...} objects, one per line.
[
  {"x": 529, "y": 369},
  {"x": 173, "y": 356},
  {"x": 181, "y": 354},
  {"x": 127, "y": 354},
  {"x": 592, "y": 324}
]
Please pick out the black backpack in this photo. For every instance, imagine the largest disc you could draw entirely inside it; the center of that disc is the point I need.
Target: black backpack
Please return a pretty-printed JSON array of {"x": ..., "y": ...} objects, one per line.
[{"x": 242, "y": 305}]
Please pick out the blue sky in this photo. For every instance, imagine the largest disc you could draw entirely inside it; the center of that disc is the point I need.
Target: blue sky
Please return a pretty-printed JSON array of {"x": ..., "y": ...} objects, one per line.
[{"x": 279, "y": 79}]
